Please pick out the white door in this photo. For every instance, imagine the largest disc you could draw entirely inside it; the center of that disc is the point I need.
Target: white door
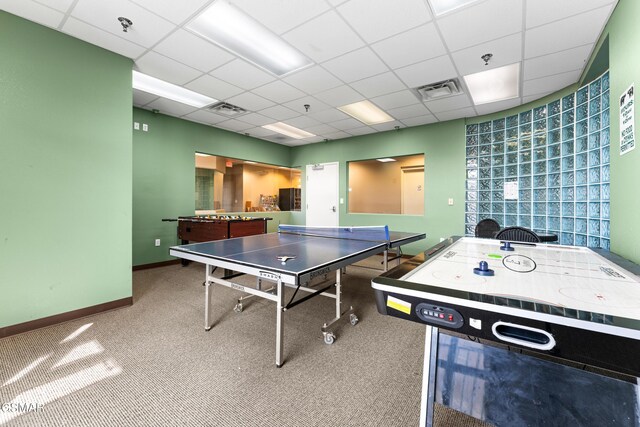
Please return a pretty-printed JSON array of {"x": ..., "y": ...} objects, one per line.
[
  {"x": 322, "y": 195},
  {"x": 413, "y": 191}
]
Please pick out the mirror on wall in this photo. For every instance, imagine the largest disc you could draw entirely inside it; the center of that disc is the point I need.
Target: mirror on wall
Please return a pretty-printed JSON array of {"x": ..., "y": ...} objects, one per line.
[
  {"x": 391, "y": 185},
  {"x": 225, "y": 184}
]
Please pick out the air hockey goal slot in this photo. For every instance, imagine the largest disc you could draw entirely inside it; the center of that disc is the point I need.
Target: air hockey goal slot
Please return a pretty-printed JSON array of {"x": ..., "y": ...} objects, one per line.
[
  {"x": 438, "y": 315},
  {"x": 523, "y": 335}
]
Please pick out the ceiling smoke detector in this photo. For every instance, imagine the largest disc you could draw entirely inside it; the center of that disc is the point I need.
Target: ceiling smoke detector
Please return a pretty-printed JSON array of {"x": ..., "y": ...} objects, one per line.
[
  {"x": 226, "y": 109},
  {"x": 439, "y": 90}
]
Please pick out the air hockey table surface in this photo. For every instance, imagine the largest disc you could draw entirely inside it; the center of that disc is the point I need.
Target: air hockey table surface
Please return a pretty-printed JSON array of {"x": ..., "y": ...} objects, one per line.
[{"x": 566, "y": 301}]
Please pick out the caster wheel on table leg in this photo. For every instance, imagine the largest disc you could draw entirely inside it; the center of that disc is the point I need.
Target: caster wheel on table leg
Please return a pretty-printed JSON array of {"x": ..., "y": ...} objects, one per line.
[
  {"x": 329, "y": 338},
  {"x": 238, "y": 308},
  {"x": 353, "y": 319}
]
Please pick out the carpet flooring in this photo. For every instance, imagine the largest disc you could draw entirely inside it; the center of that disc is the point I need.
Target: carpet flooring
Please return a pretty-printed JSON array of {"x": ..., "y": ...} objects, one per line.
[{"x": 152, "y": 364}]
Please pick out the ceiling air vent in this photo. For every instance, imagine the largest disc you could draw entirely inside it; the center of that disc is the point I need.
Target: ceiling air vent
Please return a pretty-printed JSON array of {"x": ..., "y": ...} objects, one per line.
[
  {"x": 439, "y": 90},
  {"x": 227, "y": 109}
]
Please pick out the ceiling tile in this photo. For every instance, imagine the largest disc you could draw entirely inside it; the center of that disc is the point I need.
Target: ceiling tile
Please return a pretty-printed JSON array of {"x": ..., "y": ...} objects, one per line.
[
  {"x": 408, "y": 112},
  {"x": 497, "y": 106},
  {"x": 61, "y": 5},
  {"x": 147, "y": 29},
  {"x": 336, "y": 2},
  {"x": 339, "y": 96},
  {"x": 506, "y": 51},
  {"x": 540, "y": 12},
  {"x": 531, "y": 98},
  {"x": 167, "y": 69},
  {"x": 337, "y": 38},
  {"x": 234, "y": 125},
  {"x": 279, "y": 113},
  {"x": 336, "y": 135},
  {"x": 312, "y": 80},
  {"x": 365, "y": 130},
  {"x": 356, "y": 65},
  {"x": 328, "y": 116},
  {"x": 480, "y": 23},
  {"x": 213, "y": 87},
  {"x": 242, "y": 74},
  {"x": 174, "y": 11},
  {"x": 193, "y": 51},
  {"x": 565, "y": 34},
  {"x": 378, "y": 85},
  {"x": 141, "y": 98},
  {"x": 422, "y": 120},
  {"x": 303, "y": 122},
  {"x": 395, "y": 100},
  {"x": 413, "y": 46},
  {"x": 282, "y": 15},
  {"x": 550, "y": 83},
  {"x": 204, "y": 116},
  {"x": 426, "y": 72},
  {"x": 255, "y": 119},
  {"x": 250, "y": 101},
  {"x": 377, "y": 19},
  {"x": 34, "y": 12},
  {"x": 321, "y": 129},
  {"x": 172, "y": 108},
  {"x": 278, "y": 92},
  {"x": 456, "y": 114},
  {"x": 346, "y": 124},
  {"x": 104, "y": 39},
  {"x": 448, "y": 104},
  {"x": 556, "y": 63},
  {"x": 383, "y": 127}
]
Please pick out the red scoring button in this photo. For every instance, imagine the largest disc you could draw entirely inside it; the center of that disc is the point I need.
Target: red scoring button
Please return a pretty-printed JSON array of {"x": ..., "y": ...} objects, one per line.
[
  {"x": 451, "y": 318},
  {"x": 441, "y": 316}
]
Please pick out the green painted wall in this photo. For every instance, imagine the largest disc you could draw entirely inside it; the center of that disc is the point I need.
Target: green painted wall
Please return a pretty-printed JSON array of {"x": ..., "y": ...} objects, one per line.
[
  {"x": 164, "y": 176},
  {"x": 65, "y": 173},
  {"x": 443, "y": 147},
  {"x": 624, "y": 65}
]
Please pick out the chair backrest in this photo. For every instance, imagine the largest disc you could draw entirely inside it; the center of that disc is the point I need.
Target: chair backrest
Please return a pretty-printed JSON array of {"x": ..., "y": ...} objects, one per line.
[
  {"x": 487, "y": 228},
  {"x": 518, "y": 234}
]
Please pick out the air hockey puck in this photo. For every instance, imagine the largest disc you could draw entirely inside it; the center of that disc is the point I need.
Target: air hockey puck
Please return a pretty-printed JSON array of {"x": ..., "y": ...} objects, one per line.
[{"x": 483, "y": 269}]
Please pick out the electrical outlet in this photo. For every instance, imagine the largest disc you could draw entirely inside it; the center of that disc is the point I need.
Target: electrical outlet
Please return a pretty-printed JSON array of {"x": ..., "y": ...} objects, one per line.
[
  {"x": 450, "y": 202},
  {"x": 145, "y": 127},
  {"x": 157, "y": 242},
  {"x": 136, "y": 125}
]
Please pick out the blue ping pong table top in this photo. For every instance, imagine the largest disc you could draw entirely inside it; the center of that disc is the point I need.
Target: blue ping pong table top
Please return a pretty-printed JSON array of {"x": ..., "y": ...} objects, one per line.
[{"x": 309, "y": 252}]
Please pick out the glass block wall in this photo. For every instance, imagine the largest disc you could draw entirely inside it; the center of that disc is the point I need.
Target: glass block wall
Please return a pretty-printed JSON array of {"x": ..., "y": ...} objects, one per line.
[{"x": 558, "y": 154}]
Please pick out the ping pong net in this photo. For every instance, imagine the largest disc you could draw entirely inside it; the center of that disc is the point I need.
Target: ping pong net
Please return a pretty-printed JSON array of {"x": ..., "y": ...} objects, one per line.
[{"x": 378, "y": 233}]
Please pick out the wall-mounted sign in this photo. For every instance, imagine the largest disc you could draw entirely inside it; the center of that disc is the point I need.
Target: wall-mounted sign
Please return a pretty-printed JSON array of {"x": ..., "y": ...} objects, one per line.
[
  {"x": 627, "y": 137},
  {"x": 511, "y": 190}
]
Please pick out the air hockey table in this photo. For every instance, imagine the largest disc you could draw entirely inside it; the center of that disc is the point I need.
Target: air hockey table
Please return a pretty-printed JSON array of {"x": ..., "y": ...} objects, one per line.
[{"x": 549, "y": 331}]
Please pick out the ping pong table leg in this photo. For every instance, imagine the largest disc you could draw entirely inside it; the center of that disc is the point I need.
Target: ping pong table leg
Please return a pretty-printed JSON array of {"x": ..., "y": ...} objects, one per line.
[
  {"x": 279, "y": 325},
  {"x": 207, "y": 299},
  {"x": 386, "y": 260}
]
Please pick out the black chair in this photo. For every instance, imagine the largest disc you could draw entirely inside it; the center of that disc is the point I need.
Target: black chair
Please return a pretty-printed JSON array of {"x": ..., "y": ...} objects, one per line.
[
  {"x": 518, "y": 234},
  {"x": 487, "y": 228}
]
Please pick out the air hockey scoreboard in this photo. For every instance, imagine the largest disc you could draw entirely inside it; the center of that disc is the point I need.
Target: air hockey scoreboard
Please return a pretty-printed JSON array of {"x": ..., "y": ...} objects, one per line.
[{"x": 563, "y": 301}]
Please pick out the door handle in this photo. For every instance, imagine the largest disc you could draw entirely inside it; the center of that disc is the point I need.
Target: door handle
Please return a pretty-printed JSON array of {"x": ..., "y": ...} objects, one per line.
[{"x": 333, "y": 208}]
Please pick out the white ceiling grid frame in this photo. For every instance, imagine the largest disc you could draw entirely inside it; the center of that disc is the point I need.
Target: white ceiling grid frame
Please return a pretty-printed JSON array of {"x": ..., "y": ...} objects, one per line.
[{"x": 388, "y": 48}]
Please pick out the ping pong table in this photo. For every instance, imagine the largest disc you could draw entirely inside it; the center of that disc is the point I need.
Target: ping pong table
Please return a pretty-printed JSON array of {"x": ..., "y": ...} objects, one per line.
[{"x": 293, "y": 257}]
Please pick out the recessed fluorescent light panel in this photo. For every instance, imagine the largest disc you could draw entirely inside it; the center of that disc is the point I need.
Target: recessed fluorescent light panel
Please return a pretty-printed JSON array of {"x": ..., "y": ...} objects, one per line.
[
  {"x": 288, "y": 130},
  {"x": 440, "y": 7},
  {"x": 170, "y": 91},
  {"x": 229, "y": 27},
  {"x": 494, "y": 85},
  {"x": 366, "y": 112},
  {"x": 386, "y": 159}
]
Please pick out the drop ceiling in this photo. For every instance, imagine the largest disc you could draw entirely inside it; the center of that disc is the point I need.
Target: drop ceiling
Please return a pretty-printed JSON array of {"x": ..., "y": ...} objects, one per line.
[{"x": 378, "y": 50}]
